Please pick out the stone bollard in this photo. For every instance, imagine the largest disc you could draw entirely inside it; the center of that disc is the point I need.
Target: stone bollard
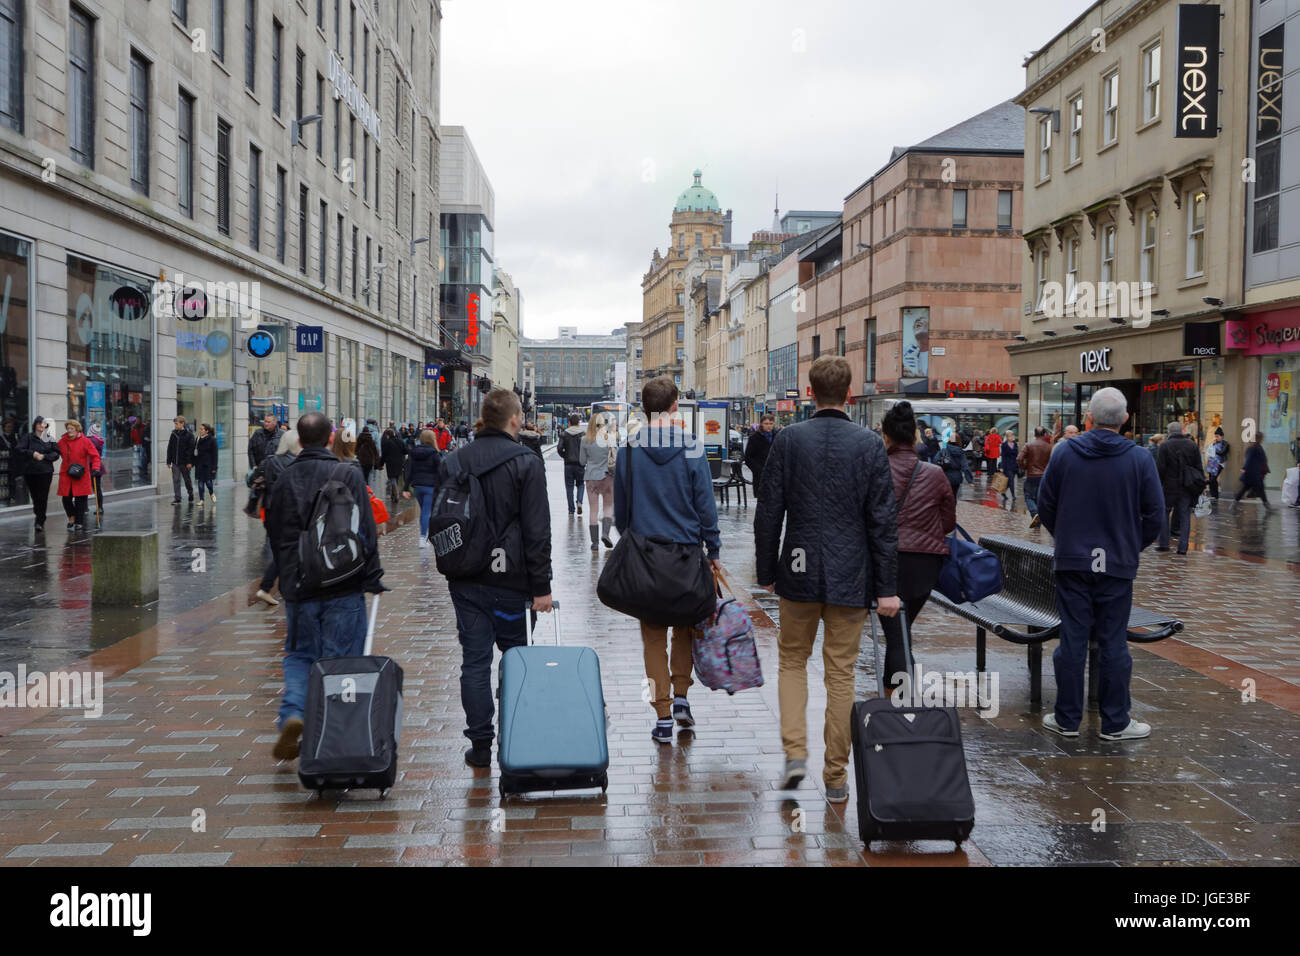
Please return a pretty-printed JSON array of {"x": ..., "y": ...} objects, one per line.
[{"x": 124, "y": 567}]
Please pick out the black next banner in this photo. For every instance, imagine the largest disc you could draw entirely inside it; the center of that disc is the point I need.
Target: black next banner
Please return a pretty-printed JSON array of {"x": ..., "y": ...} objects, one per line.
[
  {"x": 1198, "y": 71},
  {"x": 1201, "y": 339}
]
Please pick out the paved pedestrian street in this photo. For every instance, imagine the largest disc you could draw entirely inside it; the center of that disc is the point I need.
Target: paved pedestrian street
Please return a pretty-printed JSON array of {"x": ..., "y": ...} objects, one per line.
[{"x": 177, "y": 771}]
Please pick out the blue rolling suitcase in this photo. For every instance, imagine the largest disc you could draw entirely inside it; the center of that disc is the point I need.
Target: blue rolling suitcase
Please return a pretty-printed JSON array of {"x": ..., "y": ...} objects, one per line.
[{"x": 552, "y": 717}]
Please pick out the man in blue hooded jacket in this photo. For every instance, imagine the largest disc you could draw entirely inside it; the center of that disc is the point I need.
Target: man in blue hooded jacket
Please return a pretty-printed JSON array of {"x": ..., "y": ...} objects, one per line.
[{"x": 1115, "y": 503}]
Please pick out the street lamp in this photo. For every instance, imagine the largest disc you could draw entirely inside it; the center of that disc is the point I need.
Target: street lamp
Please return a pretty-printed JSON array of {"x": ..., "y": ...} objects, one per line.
[
  {"x": 295, "y": 127},
  {"x": 416, "y": 242},
  {"x": 1054, "y": 114}
]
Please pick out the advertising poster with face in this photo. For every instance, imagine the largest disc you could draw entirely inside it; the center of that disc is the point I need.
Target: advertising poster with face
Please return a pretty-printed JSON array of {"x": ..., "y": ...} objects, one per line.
[{"x": 916, "y": 343}]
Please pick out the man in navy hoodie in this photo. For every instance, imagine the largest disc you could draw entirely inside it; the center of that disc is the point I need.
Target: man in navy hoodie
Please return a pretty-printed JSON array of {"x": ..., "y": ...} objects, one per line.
[
  {"x": 673, "y": 498},
  {"x": 1114, "y": 506}
]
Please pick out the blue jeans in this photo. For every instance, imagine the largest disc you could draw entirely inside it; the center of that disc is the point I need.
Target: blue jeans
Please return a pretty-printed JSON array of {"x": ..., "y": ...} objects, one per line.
[
  {"x": 424, "y": 495},
  {"x": 484, "y": 616},
  {"x": 1093, "y": 605},
  {"x": 573, "y": 478},
  {"x": 334, "y": 627},
  {"x": 1031, "y": 494}
]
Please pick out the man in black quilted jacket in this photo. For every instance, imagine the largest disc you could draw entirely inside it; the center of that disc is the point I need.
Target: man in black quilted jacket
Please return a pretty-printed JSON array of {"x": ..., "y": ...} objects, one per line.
[{"x": 828, "y": 481}]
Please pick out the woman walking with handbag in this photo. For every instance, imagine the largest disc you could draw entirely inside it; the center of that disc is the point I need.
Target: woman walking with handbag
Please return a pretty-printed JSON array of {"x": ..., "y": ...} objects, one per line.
[
  {"x": 75, "y": 483},
  {"x": 594, "y": 455},
  {"x": 927, "y": 511},
  {"x": 1009, "y": 467},
  {"x": 664, "y": 507}
]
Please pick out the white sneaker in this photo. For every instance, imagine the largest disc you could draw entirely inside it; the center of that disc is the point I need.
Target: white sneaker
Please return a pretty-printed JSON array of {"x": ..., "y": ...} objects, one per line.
[
  {"x": 1135, "y": 730},
  {"x": 1049, "y": 722},
  {"x": 424, "y": 543},
  {"x": 270, "y": 601}
]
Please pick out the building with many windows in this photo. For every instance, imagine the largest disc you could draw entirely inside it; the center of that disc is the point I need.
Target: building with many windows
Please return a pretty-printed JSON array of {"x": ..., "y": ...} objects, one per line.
[
  {"x": 698, "y": 230},
  {"x": 216, "y": 203},
  {"x": 1133, "y": 235},
  {"x": 570, "y": 369}
]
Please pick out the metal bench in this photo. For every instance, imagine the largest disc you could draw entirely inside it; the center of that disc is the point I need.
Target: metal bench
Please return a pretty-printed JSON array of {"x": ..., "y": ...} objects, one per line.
[
  {"x": 1024, "y": 611},
  {"x": 726, "y": 475}
]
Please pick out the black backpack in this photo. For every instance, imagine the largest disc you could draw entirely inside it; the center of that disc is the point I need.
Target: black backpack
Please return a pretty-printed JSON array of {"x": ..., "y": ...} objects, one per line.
[
  {"x": 459, "y": 529},
  {"x": 331, "y": 550}
]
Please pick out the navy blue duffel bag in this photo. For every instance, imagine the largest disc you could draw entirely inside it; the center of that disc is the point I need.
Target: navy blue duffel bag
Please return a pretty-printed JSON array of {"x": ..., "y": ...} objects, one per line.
[{"x": 969, "y": 573}]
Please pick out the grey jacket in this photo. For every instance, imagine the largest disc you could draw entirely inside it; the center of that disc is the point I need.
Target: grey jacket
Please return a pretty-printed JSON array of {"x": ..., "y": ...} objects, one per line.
[{"x": 594, "y": 458}]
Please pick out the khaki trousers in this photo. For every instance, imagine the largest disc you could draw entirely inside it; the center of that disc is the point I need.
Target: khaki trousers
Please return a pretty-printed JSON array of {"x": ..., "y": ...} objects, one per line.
[
  {"x": 659, "y": 664},
  {"x": 842, "y": 638}
]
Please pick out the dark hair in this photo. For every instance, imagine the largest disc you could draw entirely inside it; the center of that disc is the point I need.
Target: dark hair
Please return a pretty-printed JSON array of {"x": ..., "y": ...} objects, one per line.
[
  {"x": 208, "y": 428},
  {"x": 658, "y": 395},
  {"x": 767, "y": 417},
  {"x": 900, "y": 424},
  {"x": 313, "y": 430},
  {"x": 574, "y": 419},
  {"x": 1040, "y": 431}
]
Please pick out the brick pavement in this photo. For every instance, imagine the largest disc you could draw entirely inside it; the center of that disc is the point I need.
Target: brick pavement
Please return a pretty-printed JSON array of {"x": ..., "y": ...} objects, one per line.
[{"x": 178, "y": 770}]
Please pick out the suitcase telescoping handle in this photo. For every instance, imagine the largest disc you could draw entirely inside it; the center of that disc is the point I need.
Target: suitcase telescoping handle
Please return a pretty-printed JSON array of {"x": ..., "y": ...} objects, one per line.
[
  {"x": 907, "y": 650},
  {"x": 528, "y": 621},
  {"x": 370, "y": 629}
]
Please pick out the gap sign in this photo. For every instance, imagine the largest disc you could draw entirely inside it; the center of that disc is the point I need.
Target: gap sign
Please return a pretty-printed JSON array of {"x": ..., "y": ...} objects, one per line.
[{"x": 1197, "y": 75}]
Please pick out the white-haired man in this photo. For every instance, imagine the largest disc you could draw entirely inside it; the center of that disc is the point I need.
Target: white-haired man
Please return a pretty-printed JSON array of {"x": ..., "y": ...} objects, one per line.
[{"x": 1115, "y": 504}]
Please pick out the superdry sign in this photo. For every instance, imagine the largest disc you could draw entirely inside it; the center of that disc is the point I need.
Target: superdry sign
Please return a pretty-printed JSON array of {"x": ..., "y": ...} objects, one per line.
[
  {"x": 1267, "y": 333},
  {"x": 1197, "y": 72},
  {"x": 471, "y": 320}
]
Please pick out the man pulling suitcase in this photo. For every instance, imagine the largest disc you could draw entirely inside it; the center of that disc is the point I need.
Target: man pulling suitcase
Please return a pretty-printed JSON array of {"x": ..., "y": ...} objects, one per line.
[{"x": 491, "y": 534}]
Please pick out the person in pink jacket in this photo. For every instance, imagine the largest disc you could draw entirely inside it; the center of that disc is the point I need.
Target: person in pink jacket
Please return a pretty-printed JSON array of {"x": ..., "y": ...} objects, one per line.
[{"x": 79, "y": 456}]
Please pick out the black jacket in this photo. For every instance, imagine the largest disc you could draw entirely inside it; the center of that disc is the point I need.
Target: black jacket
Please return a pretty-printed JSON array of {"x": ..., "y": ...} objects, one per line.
[
  {"x": 422, "y": 466},
  {"x": 828, "y": 481},
  {"x": 180, "y": 447},
  {"x": 394, "y": 453},
  {"x": 29, "y": 445},
  {"x": 757, "y": 449},
  {"x": 956, "y": 466},
  {"x": 289, "y": 511},
  {"x": 517, "y": 509},
  {"x": 262, "y": 444},
  {"x": 267, "y": 472},
  {"x": 1178, "y": 452},
  {"x": 205, "y": 458},
  {"x": 531, "y": 440}
]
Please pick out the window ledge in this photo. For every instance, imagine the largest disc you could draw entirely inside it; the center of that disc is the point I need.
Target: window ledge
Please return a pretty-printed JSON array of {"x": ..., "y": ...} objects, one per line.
[
  {"x": 279, "y": 120},
  {"x": 1148, "y": 124},
  {"x": 1193, "y": 282},
  {"x": 252, "y": 96},
  {"x": 1042, "y": 182},
  {"x": 220, "y": 64},
  {"x": 1107, "y": 146},
  {"x": 1074, "y": 165},
  {"x": 184, "y": 30}
]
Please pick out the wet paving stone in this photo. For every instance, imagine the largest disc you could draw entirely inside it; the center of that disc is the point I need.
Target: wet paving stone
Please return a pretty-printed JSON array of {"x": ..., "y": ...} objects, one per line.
[{"x": 189, "y": 724}]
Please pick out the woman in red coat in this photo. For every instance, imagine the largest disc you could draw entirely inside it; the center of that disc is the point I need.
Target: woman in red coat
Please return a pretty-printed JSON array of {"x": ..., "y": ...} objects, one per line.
[{"x": 76, "y": 449}]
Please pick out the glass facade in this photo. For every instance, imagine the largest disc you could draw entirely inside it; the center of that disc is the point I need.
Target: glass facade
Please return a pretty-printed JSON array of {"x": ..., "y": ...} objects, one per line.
[
  {"x": 15, "y": 361},
  {"x": 467, "y": 278},
  {"x": 373, "y": 387},
  {"x": 399, "y": 388},
  {"x": 783, "y": 369},
  {"x": 1189, "y": 391},
  {"x": 345, "y": 392},
  {"x": 1279, "y": 417},
  {"x": 110, "y": 366},
  {"x": 414, "y": 379},
  {"x": 1052, "y": 401},
  {"x": 268, "y": 378},
  {"x": 312, "y": 379}
]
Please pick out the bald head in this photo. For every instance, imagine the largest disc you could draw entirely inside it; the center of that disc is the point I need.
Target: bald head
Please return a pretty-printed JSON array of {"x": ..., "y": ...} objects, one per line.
[{"x": 1071, "y": 431}]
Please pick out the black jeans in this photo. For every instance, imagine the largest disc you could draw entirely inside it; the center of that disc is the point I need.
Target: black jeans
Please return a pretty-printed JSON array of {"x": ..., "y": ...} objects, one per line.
[
  {"x": 75, "y": 508},
  {"x": 272, "y": 567},
  {"x": 921, "y": 574},
  {"x": 1259, "y": 493},
  {"x": 1178, "y": 507},
  {"x": 484, "y": 616},
  {"x": 38, "y": 486}
]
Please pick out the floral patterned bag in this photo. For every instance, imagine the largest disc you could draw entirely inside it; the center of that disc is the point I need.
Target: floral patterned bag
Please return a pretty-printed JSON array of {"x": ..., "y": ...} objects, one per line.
[{"x": 726, "y": 657}]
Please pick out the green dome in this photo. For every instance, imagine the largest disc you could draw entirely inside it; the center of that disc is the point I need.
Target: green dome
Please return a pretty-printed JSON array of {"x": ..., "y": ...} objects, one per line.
[{"x": 697, "y": 198}]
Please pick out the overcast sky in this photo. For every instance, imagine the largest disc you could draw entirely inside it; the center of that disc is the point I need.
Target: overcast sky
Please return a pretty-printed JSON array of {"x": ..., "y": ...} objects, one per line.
[{"x": 590, "y": 115}]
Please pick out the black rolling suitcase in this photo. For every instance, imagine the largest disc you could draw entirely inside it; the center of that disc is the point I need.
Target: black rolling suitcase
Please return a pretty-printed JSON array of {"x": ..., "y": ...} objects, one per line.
[
  {"x": 909, "y": 766},
  {"x": 352, "y": 721}
]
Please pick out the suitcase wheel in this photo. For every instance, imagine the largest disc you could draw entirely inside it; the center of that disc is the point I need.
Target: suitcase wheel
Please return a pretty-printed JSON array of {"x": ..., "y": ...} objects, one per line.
[
  {"x": 383, "y": 795},
  {"x": 604, "y": 782}
]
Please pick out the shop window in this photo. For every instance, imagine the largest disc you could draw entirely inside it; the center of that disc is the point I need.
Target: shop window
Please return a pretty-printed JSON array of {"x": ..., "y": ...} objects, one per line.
[{"x": 110, "y": 330}]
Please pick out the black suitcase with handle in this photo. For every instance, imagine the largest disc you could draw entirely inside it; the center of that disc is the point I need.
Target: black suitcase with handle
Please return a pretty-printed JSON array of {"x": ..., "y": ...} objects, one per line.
[
  {"x": 909, "y": 766},
  {"x": 352, "y": 721}
]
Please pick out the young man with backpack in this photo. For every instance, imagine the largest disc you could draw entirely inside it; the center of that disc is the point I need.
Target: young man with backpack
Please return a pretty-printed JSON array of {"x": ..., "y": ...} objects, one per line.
[
  {"x": 325, "y": 567},
  {"x": 570, "y": 452},
  {"x": 491, "y": 534}
]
